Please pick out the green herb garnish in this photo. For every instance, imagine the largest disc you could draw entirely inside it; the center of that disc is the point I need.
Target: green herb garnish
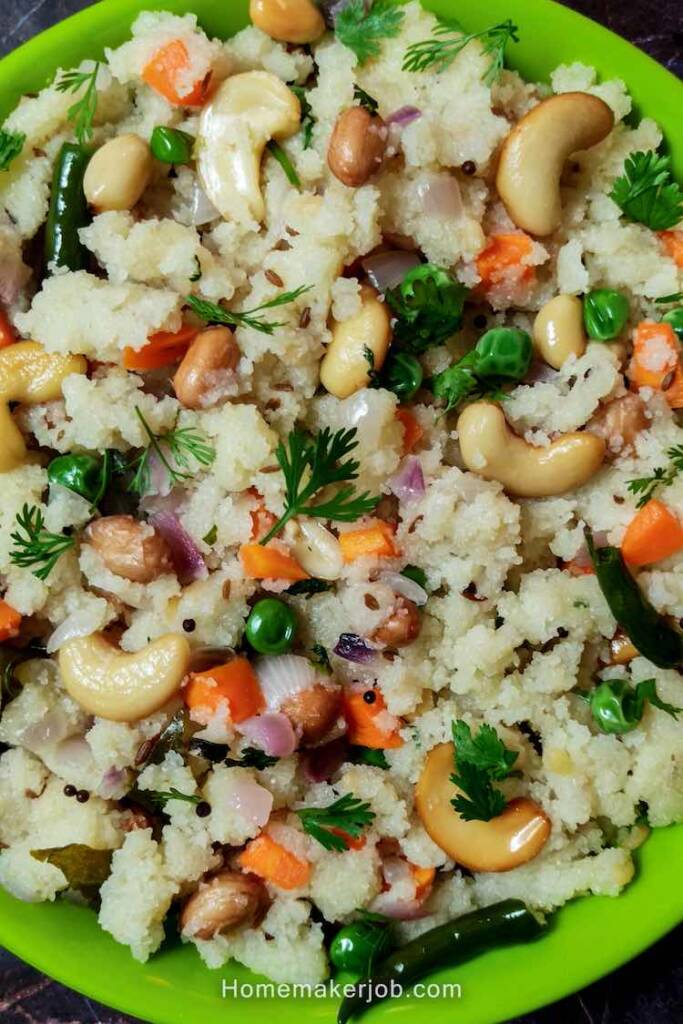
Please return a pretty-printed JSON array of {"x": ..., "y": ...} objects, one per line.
[
  {"x": 428, "y": 306},
  {"x": 440, "y": 52},
  {"x": 645, "y": 486},
  {"x": 479, "y": 761},
  {"x": 82, "y": 113},
  {"x": 211, "y": 536},
  {"x": 372, "y": 756},
  {"x": 311, "y": 464},
  {"x": 36, "y": 546},
  {"x": 276, "y": 151},
  {"x": 647, "y": 192},
  {"x": 617, "y": 707},
  {"x": 666, "y": 299},
  {"x": 321, "y": 658},
  {"x": 174, "y": 449},
  {"x": 11, "y": 145},
  {"x": 214, "y": 314},
  {"x": 159, "y": 799},
  {"x": 365, "y": 100},
  {"x": 348, "y": 814},
  {"x": 252, "y": 757},
  {"x": 362, "y": 27},
  {"x": 308, "y": 120},
  {"x": 307, "y": 588}
]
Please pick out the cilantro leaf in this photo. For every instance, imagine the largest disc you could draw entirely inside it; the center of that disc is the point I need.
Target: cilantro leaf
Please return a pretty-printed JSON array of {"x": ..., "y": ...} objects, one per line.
[
  {"x": 647, "y": 192},
  {"x": 311, "y": 464},
  {"x": 348, "y": 815},
  {"x": 11, "y": 145},
  {"x": 308, "y": 120},
  {"x": 428, "y": 306},
  {"x": 479, "y": 760},
  {"x": 365, "y": 100},
  {"x": 361, "y": 26},
  {"x": 646, "y": 486},
  {"x": 253, "y": 757},
  {"x": 440, "y": 52}
]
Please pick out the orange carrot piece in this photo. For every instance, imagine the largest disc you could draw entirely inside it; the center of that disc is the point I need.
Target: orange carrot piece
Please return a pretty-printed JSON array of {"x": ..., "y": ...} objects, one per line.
[
  {"x": 502, "y": 254},
  {"x": 10, "y": 621},
  {"x": 674, "y": 392},
  {"x": 266, "y": 858},
  {"x": 377, "y": 539},
  {"x": 673, "y": 243},
  {"x": 165, "y": 68},
  {"x": 575, "y": 569},
  {"x": 656, "y": 354},
  {"x": 655, "y": 532},
  {"x": 270, "y": 563},
  {"x": 423, "y": 878},
  {"x": 235, "y": 683},
  {"x": 7, "y": 335},
  {"x": 162, "y": 349},
  {"x": 362, "y": 731},
  {"x": 351, "y": 843},
  {"x": 412, "y": 431}
]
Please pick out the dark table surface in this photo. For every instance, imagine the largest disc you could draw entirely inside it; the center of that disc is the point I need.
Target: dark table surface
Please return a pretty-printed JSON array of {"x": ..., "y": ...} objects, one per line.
[{"x": 649, "y": 990}]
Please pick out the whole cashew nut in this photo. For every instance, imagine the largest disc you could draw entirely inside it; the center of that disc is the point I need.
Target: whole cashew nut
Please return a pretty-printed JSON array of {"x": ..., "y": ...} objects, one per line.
[
  {"x": 558, "y": 330},
  {"x": 490, "y": 449},
  {"x": 535, "y": 152},
  {"x": 512, "y": 838},
  {"x": 288, "y": 21},
  {"x": 247, "y": 111},
  {"x": 28, "y": 374},
  {"x": 123, "y": 687},
  {"x": 345, "y": 368}
]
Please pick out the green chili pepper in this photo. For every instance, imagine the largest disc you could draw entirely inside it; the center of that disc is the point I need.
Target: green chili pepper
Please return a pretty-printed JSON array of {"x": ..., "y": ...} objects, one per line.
[
  {"x": 675, "y": 318},
  {"x": 403, "y": 375},
  {"x": 503, "y": 352},
  {"x": 171, "y": 146},
  {"x": 502, "y": 923},
  {"x": 647, "y": 630},
  {"x": 68, "y": 209},
  {"x": 605, "y": 313},
  {"x": 79, "y": 473},
  {"x": 358, "y": 946},
  {"x": 271, "y": 626}
]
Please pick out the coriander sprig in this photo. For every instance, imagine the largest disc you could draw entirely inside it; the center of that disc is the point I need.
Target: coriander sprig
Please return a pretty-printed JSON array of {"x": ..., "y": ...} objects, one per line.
[
  {"x": 645, "y": 486},
  {"x": 82, "y": 113},
  {"x": 159, "y": 798},
  {"x": 361, "y": 26},
  {"x": 11, "y": 145},
  {"x": 214, "y": 314},
  {"x": 36, "y": 546},
  {"x": 309, "y": 465},
  {"x": 348, "y": 814},
  {"x": 647, "y": 193},
  {"x": 175, "y": 449},
  {"x": 479, "y": 761},
  {"x": 440, "y": 52}
]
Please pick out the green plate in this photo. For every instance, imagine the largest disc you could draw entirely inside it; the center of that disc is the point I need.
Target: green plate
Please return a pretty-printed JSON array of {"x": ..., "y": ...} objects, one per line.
[{"x": 590, "y": 936}]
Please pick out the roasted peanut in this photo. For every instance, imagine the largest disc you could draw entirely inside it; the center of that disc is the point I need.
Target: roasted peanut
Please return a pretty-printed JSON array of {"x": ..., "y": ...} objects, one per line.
[
  {"x": 129, "y": 548},
  {"x": 118, "y": 173},
  {"x": 357, "y": 146},
  {"x": 618, "y": 423},
  {"x": 222, "y": 903},
  {"x": 402, "y": 627},
  {"x": 313, "y": 712},
  {"x": 208, "y": 365},
  {"x": 622, "y": 649},
  {"x": 288, "y": 21}
]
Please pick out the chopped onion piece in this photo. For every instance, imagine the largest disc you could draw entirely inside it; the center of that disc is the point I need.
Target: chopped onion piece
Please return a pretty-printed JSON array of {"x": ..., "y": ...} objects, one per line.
[
  {"x": 283, "y": 676},
  {"x": 401, "y": 584},
  {"x": 354, "y": 648},
  {"x": 75, "y": 625},
  {"x": 251, "y": 801},
  {"x": 387, "y": 269},
  {"x": 201, "y": 208},
  {"x": 272, "y": 732},
  {"x": 403, "y": 116},
  {"x": 440, "y": 196},
  {"x": 187, "y": 558},
  {"x": 409, "y": 483}
]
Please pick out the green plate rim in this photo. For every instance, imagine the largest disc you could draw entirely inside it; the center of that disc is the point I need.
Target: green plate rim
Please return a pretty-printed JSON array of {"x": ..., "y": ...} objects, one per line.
[{"x": 590, "y": 936}]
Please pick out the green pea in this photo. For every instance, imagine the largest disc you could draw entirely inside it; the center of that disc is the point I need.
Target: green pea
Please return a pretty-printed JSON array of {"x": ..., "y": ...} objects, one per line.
[
  {"x": 171, "y": 146},
  {"x": 605, "y": 313},
  {"x": 79, "y": 473},
  {"x": 271, "y": 626},
  {"x": 503, "y": 352},
  {"x": 403, "y": 375},
  {"x": 675, "y": 318},
  {"x": 356, "y": 947},
  {"x": 616, "y": 706}
]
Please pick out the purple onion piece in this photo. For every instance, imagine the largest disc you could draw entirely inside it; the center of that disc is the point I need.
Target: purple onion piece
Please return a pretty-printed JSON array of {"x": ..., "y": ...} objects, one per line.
[
  {"x": 187, "y": 558},
  {"x": 409, "y": 483},
  {"x": 354, "y": 648},
  {"x": 403, "y": 116}
]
